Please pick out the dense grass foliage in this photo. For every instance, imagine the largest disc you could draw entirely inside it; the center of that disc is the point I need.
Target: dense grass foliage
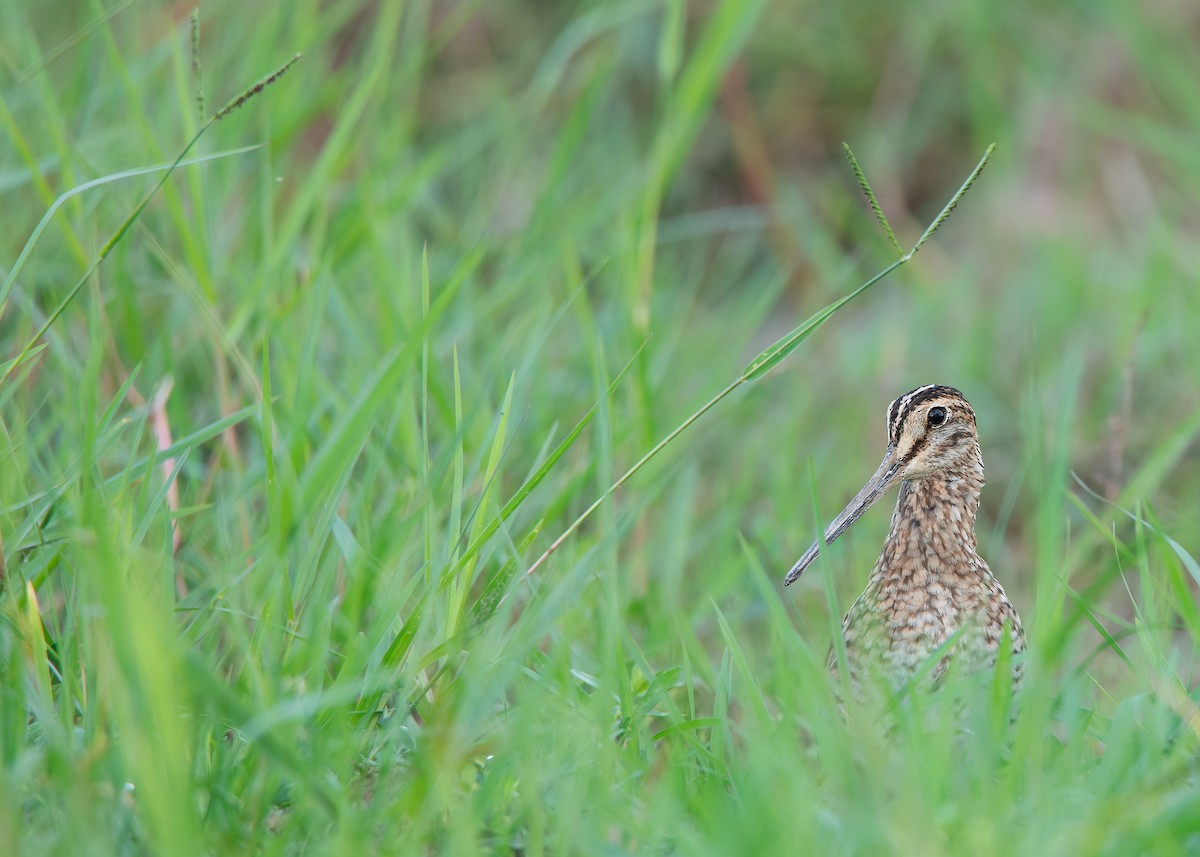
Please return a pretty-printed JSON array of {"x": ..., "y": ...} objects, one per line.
[{"x": 274, "y": 477}]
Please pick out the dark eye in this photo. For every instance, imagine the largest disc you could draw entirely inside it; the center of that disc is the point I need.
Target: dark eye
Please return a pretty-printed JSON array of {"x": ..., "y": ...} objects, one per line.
[{"x": 937, "y": 416}]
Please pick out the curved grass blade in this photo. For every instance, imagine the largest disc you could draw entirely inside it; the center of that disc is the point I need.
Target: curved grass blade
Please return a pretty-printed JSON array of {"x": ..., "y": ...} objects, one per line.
[
  {"x": 775, "y": 354},
  {"x": 99, "y": 182},
  {"x": 129, "y": 221},
  {"x": 533, "y": 481}
]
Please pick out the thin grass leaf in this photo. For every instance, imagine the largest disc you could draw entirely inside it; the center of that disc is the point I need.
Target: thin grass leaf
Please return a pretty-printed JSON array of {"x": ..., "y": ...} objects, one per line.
[
  {"x": 75, "y": 39},
  {"x": 110, "y": 412},
  {"x": 687, "y": 726},
  {"x": 34, "y": 236},
  {"x": 514, "y": 502},
  {"x": 782, "y": 348},
  {"x": 462, "y": 584},
  {"x": 493, "y": 462},
  {"x": 670, "y": 42},
  {"x": 34, "y": 638},
  {"x": 8, "y": 365},
  {"x": 645, "y": 459},
  {"x": 216, "y": 692},
  {"x": 1183, "y": 602},
  {"x": 266, "y": 425},
  {"x": 349, "y": 433},
  {"x": 196, "y": 438},
  {"x": 456, "y": 498},
  {"x": 734, "y": 647},
  {"x": 129, "y": 221},
  {"x": 722, "y": 734},
  {"x": 1163, "y": 459},
  {"x": 157, "y": 500},
  {"x": 1189, "y": 561},
  {"x": 398, "y": 649},
  {"x": 592, "y": 24},
  {"x": 726, "y": 27},
  {"x": 425, "y": 460},
  {"x": 311, "y": 705},
  {"x": 1085, "y": 609},
  {"x": 322, "y": 528},
  {"x": 497, "y": 587}
]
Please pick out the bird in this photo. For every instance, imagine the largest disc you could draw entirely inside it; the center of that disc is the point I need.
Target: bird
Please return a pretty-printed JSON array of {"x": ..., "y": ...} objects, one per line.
[{"x": 930, "y": 588}]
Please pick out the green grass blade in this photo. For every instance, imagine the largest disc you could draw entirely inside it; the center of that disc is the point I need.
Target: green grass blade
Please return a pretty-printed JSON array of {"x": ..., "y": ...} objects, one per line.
[
  {"x": 160, "y": 495},
  {"x": 23, "y": 257},
  {"x": 515, "y": 502},
  {"x": 461, "y": 585},
  {"x": 782, "y": 348}
]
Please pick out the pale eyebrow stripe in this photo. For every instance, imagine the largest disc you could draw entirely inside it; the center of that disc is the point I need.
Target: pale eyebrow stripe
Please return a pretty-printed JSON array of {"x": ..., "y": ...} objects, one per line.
[{"x": 897, "y": 410}]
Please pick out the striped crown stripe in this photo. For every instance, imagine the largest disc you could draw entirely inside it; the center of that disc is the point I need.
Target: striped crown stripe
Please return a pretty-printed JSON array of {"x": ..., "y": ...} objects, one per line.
[{"x": 899, "y": 410}]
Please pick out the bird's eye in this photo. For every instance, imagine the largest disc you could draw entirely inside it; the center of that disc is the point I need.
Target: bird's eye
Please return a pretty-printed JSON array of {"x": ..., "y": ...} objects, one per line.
[{"x": 937, "y": 416}]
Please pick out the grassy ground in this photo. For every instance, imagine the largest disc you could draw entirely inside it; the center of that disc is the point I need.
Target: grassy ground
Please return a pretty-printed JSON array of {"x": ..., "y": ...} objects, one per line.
[{"x": 265, "y": 538}]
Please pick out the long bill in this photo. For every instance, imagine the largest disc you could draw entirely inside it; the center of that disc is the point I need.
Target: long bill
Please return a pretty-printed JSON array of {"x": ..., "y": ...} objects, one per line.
[{"x": 885, "y": 477}]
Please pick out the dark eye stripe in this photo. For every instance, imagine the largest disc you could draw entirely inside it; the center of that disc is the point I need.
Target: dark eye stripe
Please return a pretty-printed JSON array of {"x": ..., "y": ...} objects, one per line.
[
  {"x": 923, "y": 441},
  {"x": 917, "y": 447}
]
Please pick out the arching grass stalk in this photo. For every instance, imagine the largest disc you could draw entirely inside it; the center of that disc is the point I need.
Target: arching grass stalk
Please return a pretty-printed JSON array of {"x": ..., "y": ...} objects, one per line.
[
  {"x": 23, "y": 256},
  {"x": 112, "y": 242},
  {"x": 776, "y": 353}
]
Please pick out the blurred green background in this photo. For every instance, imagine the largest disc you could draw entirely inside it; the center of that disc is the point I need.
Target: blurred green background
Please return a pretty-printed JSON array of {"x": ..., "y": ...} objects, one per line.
[{"x": 265, "y": 543}]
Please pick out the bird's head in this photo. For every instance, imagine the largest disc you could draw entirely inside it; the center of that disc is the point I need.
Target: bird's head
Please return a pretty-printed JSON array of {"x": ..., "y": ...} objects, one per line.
[{"x": 930, "y": 430}]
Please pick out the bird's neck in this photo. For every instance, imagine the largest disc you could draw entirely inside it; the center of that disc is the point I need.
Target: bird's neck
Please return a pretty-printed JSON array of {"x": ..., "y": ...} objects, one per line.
[{"x": 934, "y": 522}]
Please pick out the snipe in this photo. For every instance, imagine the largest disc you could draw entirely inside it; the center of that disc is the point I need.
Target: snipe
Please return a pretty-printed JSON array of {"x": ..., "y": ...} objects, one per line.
[{"x": 929, "y": 585}]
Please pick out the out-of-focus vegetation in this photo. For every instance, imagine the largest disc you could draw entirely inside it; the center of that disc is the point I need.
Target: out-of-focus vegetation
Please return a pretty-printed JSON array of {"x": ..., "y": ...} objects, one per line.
[{"x": 265, "y": 544}]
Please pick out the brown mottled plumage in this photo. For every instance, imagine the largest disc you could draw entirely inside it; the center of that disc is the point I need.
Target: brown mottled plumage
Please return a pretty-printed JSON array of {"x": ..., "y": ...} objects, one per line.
[{"x": 929, "y": 584}]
